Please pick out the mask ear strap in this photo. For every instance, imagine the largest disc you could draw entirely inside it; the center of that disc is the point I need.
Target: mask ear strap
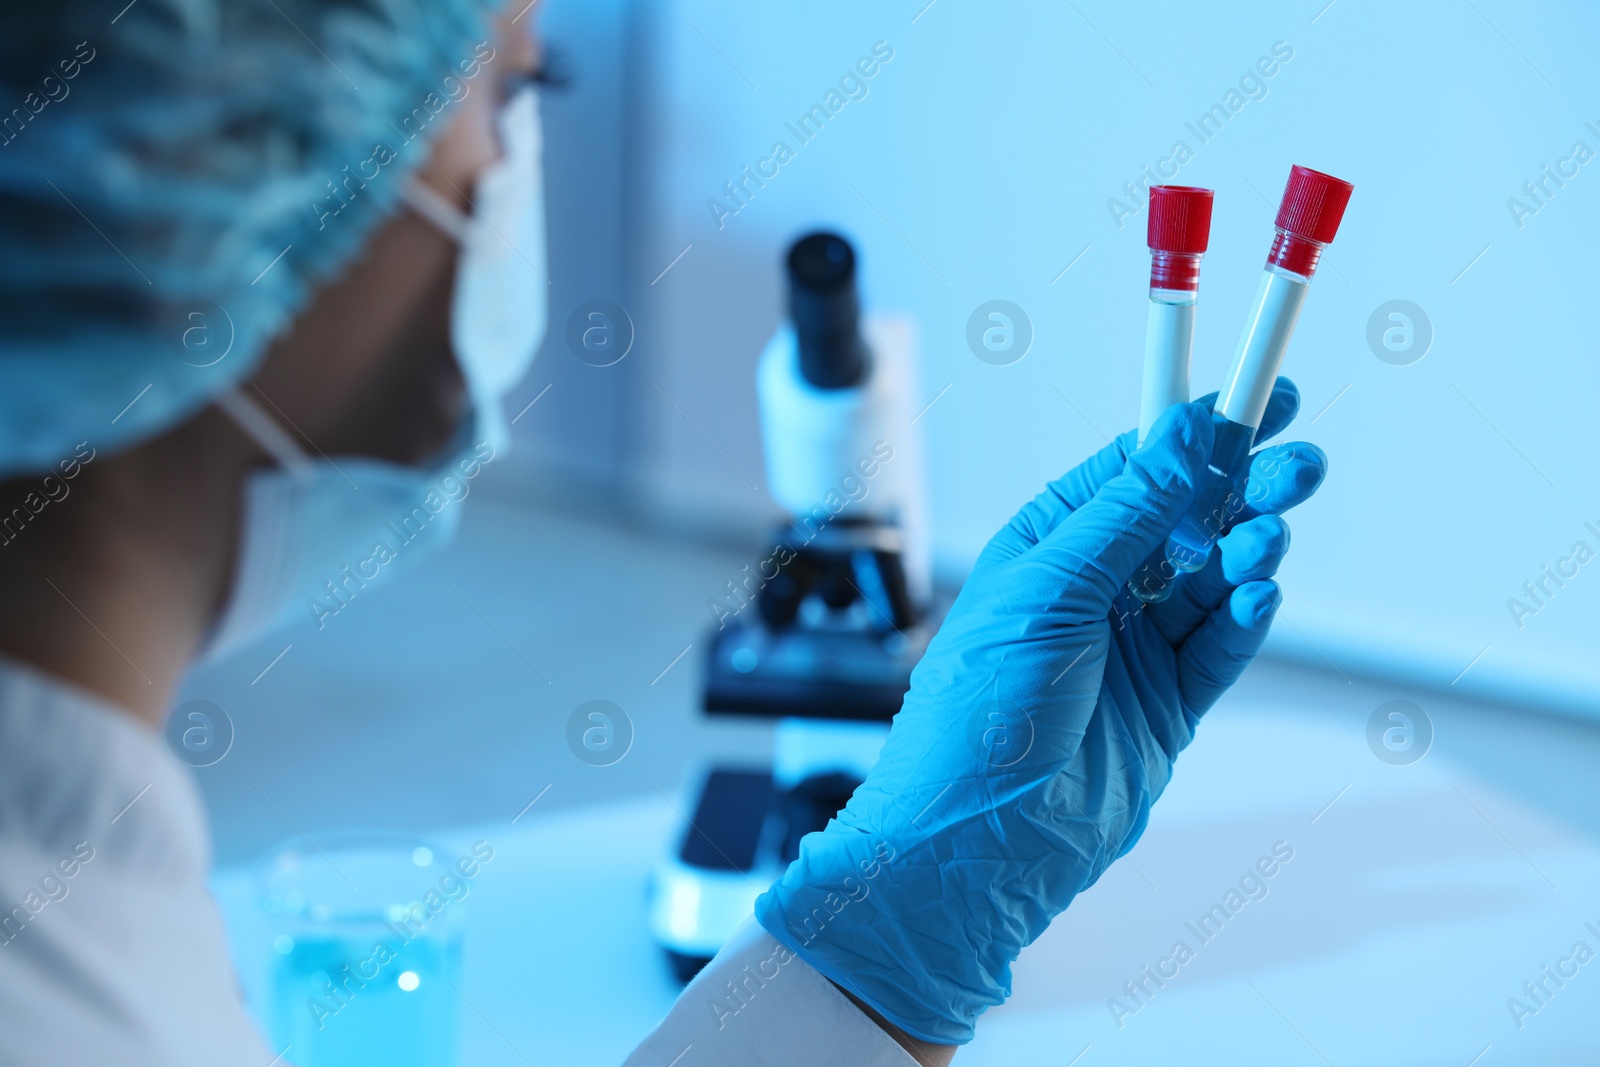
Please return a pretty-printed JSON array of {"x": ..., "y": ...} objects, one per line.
[
  {"x": 432, "y": 207},
  {"x": 264, "y": 430}
]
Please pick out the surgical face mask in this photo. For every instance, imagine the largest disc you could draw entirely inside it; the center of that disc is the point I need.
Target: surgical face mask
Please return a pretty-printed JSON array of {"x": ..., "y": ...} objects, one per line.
[
  {"x": 500, "y": 306},
  {"x": 319, "y": 532}
]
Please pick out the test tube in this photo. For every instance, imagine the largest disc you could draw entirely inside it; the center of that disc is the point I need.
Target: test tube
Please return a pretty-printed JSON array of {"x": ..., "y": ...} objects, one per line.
[
  {"x": 1308, "y": 217},
  {"x": 1178, "y": 230}
]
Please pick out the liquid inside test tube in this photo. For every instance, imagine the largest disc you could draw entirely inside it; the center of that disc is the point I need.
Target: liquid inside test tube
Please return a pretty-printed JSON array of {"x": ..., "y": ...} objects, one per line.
[
  {"x": 1179, "y": 231},
  {"x": 1308, "y": 218}
]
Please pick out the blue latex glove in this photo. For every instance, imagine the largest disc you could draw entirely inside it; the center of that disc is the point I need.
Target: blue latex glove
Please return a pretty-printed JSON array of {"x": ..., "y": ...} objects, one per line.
[{"x": 1039, "y": 728}]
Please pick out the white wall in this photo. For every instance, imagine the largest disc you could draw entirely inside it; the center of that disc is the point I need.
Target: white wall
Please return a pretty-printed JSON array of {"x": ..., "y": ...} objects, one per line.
[{"x": 571, "y": 442}]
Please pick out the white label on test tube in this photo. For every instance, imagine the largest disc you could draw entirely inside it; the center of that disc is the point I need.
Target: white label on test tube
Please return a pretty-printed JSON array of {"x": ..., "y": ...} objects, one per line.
[
  {"x": 1262, "y": 346},
  {"x": 1168, "y": 341}
]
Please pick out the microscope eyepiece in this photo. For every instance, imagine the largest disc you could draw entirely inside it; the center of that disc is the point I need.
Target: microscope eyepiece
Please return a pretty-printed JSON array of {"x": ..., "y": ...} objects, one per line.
[
  {"x": 826, "y": 310},
  {"x": 822, "y": 262}
]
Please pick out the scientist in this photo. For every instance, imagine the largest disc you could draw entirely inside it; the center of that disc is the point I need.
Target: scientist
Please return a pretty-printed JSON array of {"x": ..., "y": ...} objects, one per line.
[{"x": 270, "y": 267}]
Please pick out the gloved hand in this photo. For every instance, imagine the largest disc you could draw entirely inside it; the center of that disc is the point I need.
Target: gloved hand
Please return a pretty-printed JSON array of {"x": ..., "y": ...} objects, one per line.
[{"x": 1040, "y": 726}]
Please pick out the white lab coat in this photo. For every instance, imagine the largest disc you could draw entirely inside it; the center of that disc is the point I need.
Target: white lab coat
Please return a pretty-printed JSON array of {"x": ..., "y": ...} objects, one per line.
[{"x": 112, "y": 951}]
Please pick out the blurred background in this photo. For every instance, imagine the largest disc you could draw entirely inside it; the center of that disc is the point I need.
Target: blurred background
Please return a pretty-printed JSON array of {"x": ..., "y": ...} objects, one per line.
[
  {"x": 991, "y": 154},
  {"x": 999, "y": 152}
]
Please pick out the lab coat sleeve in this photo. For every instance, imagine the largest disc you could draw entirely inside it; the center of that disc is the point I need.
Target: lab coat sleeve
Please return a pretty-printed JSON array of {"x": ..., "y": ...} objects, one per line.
[{"x": 757, "y": 1004}]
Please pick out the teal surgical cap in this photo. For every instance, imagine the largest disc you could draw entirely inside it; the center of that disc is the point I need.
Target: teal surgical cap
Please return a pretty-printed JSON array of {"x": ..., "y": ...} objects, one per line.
[{"x": 176, "y": 176}]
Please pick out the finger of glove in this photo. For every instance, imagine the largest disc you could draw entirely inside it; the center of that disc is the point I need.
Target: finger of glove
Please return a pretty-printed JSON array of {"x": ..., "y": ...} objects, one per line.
[
  {"x": 1281, "y": 477},
  {"x": 1046, "y": 511},
  {"x": 1251, "y": 552},
  {"x": 1217, "y": 653},
  {"x": 1102, "y": 542}
]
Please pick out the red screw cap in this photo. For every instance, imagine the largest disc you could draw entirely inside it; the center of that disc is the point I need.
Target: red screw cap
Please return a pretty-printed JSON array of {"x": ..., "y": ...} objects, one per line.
[
  {"x": 1313, "y": 204},
  {"x": 1180, "y": 218}
]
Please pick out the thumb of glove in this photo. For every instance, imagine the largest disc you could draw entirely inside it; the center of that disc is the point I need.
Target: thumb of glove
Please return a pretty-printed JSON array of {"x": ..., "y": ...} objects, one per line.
[{"x": 1102, "y": 543}]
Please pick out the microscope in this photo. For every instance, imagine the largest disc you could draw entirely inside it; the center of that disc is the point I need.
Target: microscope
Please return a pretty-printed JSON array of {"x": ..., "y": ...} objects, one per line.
[{"x": 822, "y": 630}]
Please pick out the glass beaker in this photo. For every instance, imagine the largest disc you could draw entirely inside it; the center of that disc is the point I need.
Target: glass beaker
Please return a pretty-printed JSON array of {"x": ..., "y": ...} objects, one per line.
[{"x": 367, "y": 930}]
